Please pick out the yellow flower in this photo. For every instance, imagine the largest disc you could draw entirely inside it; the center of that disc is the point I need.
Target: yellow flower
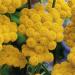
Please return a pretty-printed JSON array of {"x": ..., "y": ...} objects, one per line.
[
  {"x": 73, "y": 19},
  {"x": 0, "y": 2},
  {"x": 72, "y": 50},
  {"x": 13, "y": 54},
  {"x": 41, "y": 58},
  {"x": 70, "y": 43},
  {"x": 24, "y": 11},
  {"x": 6, "y": 2},
  {"x": 51, "y": 35},
  {"x": 4, "y": 19},
  {"x": 27, "y": 22},
  {"x": 54, "y": 15},
  {"x": 69, "y": 34},
  {"x": 13, "y": 36},
  {"x": 59, "y": 37},
  {"x": 64, "y": 67},
  {"x": 6, "y": 37},
  {"x": 31, "y": 42},
  {"x": 48, "y": 25},
  {"x": 26, "y": 51},
  {"x": 63, "y": 14},
  {"x": 71, "y": 3},
  {"x": 58, "y": 28},
  {"x": 30, "y": 32},
  {"x": 37, "y": 26},
  {"x": 1, "y": 47},
  {"x": 12, "y": 27},
  {"x": 44, "y": 41},
  {"x": 37, "y": 36},
  {"x": 40, "y": 49},
  {"x": 16, "y": 3},
  {"x": 58, "y": 7},
  {"x": 46, "y": 17},
  {"x": 59, "y": 21},
  {"x": 73, "y": 10},
  {"x": 1, "y": 30},
  {"x": 1, "y": 39},
  {"x": 5, "y": 29},
  {"x": 71, "y": 58},
  {"x": 22, "y": 61},
  {"x": 11, "y": 9},
  {"x": 39, "y": 7},
  {"x": 52, "y": 45},
  {"x": 48, "y": 57},
  {"x": 34, "y": 60},
  {"x": 23, "y": 18},
  {"x": 43, "y": 31},
  {"x": 35, "y": 17},
  {"x": 24, "y": 1},
  {"x": 10, "y": 6},
  {"x": 3, "y": 9},
  {"x": 21, "y": 29},
  {"x": 31, "y": 11},
  {"x": 61, "y": 8}
]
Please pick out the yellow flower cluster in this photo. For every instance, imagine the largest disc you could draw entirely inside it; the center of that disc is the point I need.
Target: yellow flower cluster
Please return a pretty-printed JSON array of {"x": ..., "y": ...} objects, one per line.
[
  {"x": 55, "y": 16},
  {"x": 61, "y": 6},
  {"x": 69, "y": 35},
  {"x": 71, "y": 56},
  {"x": 9, "y": 6},
  {"x": 69, "y": 32},
  {"x": 8, "y": 30},
  {"x": 71, "y": 3},
  {"x": 36, "y": 58},
  {"x": 42, "y": 31},
  {"x": 12, "y": 57},
  {"x": 65, "y": 68}
]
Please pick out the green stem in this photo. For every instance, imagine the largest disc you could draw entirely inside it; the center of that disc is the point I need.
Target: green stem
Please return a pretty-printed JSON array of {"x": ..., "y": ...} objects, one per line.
[
  {"x": 29, "y": 4},
  {"x": 40, "y": 1},
  {"x": 45, "y": 69},
  {"x": 53, "y": 5}
]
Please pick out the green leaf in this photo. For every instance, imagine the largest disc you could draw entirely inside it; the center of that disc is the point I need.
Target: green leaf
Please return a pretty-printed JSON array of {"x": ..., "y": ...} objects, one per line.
[
  {"x": 38, "y": 68},
  {"x": 31, "y": 69},
  {"x": 58, "y": 53},
  {"x": 14, "y": 18},
  {"x": 5, "y": 70},
  {"x": 45, "y": 70},
  {"x": 21, "y": 38}
]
